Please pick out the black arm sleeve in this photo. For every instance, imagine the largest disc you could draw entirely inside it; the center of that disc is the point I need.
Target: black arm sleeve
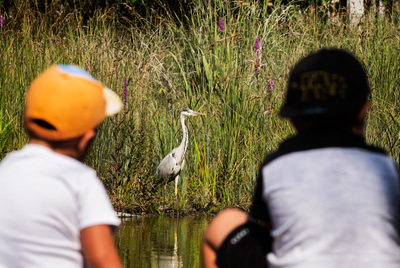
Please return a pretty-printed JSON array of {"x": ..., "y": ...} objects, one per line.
[{"x": 259, "y": 209}]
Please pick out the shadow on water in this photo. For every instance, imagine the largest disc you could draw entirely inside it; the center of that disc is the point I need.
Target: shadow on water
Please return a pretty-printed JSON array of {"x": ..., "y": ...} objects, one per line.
[{"x": 161, "y": 241}]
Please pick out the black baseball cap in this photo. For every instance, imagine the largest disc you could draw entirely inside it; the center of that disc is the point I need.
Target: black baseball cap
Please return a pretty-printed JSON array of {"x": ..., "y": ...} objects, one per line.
[{"x": 329, "y": 82}]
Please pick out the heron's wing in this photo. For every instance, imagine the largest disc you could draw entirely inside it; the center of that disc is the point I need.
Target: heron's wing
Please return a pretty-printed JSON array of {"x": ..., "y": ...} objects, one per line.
[{"x": 167, "y": 169}]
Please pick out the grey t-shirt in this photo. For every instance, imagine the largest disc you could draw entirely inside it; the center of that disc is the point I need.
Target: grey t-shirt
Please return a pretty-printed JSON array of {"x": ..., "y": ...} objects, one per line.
[{"x": 332, "y": 206}]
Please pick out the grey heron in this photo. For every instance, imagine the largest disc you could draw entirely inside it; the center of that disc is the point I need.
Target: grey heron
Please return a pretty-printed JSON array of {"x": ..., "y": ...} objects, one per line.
[{"x": 172, "y": 165}]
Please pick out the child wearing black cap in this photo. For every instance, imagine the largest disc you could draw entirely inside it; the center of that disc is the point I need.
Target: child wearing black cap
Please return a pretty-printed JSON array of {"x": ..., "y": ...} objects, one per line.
[{"x": 325, "y": 198}]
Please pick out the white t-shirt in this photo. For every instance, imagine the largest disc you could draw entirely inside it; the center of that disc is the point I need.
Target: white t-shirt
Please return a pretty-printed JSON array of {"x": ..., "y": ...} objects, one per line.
[
  {"x": 46, "y": 199},
  {"x": 328, "y": 213}
]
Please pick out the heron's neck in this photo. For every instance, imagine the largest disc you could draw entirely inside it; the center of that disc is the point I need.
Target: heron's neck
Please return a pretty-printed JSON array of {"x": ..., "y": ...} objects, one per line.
[{"x": 184, "y": 142}]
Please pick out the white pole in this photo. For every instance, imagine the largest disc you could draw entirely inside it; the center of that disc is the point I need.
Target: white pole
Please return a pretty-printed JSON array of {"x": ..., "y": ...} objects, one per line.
[
  {"x": 356, "y": 10},
  {"x": 381, "y": 8}
]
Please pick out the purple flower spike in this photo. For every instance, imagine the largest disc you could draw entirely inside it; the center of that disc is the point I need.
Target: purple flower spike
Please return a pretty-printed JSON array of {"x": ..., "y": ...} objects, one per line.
[
  {"x": 257, "y": 44},
  {"x": 1, "y": 21},
  {"x": 271, "y": 85},
  {"x": 221, "y": 25},
  {"x": 126, "y": 83},
  {"x": 257, "y": 50}
]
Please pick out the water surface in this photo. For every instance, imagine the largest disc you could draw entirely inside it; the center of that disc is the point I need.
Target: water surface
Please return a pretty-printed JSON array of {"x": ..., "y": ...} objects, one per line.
[{"x": 161, "y": 241}]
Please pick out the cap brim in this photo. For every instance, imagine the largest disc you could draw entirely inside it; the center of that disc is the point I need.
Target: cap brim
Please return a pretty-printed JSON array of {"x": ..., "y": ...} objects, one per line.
[{"x": 113, "y": 102}]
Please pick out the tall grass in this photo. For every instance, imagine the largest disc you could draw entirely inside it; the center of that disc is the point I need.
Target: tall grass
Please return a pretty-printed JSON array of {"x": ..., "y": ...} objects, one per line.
[{"x": 172, "y": 65}]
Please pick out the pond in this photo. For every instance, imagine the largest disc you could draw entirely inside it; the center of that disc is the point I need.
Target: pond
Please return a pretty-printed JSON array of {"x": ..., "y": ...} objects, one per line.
[{"x": 161, "y": 241}]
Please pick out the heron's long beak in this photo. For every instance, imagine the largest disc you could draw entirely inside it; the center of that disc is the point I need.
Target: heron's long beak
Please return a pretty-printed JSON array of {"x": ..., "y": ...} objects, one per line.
[{"x": 197, "y": 113}]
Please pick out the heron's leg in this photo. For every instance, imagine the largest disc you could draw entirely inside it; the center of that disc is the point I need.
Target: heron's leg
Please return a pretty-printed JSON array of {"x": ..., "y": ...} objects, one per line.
[
  {"x": 176, "y": 194},
  {"x": 176, "y": 185},
  {"x": 165, "y": 189}
]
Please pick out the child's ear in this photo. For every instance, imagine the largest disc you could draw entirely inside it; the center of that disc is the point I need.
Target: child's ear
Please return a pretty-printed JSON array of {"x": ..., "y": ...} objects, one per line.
[
  {"x": 363, "y": 111},
  {"x": 359, "y": 126},
  {"x": 85, "y": 141}
]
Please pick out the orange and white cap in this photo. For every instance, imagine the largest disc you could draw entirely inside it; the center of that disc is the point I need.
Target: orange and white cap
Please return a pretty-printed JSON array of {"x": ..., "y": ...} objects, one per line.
[{"x": 65, "y": 102}]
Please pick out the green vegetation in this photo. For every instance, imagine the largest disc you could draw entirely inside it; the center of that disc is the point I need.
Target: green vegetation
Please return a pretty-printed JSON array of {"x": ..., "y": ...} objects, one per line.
[{"x": 173, "y": 64}]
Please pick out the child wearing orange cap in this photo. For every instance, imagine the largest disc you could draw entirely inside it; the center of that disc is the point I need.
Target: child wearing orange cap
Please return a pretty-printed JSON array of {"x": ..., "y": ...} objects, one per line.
[{"x": 54, "y": 211}]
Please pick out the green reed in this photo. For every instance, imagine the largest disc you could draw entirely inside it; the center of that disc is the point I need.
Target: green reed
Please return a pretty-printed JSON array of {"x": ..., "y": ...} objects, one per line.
[{"x": 172, "y": 65}]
